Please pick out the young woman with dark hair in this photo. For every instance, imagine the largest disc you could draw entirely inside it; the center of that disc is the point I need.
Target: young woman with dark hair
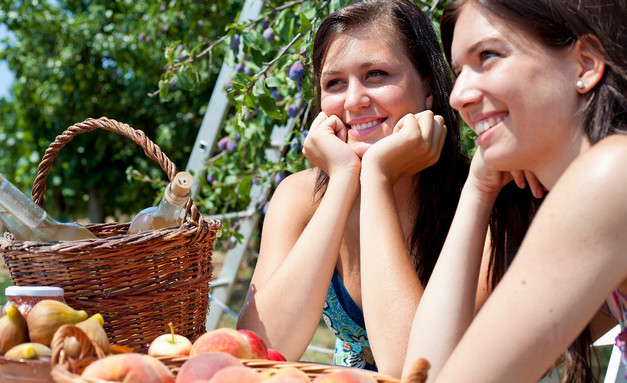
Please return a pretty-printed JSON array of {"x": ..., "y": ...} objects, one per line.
[
  {"x": 543, "y": 84},
  {"x": 379, "y": 73}
]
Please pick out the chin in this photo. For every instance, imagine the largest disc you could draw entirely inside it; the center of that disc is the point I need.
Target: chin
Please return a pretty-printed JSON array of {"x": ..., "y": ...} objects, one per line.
[{"x": 500, "y": 160}]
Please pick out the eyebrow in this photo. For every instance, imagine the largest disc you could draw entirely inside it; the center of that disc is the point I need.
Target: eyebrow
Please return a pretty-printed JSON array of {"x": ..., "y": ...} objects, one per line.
[{"x": 363, "y": 65}]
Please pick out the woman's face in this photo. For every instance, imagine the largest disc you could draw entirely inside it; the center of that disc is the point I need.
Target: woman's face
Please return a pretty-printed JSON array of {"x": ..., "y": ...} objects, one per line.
[
  {"x": 518, "y": 95},
  {"x": 368, "y": 81}
]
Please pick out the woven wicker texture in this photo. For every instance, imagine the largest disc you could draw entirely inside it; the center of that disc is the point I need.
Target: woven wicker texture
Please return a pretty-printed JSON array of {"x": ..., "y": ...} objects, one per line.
[
  {"x": 140, "y": 282},
  {"x": 68, "y": 370},
  {"x": 311, "y": 369}
]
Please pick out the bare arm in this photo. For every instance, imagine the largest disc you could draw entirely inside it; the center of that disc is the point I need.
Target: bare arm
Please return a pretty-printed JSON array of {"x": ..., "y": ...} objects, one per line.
[
  {"x": 391, "y": 289},
  {"x": 571, "y": 259},
  {"x": 457, "y": 287},
  {"x": 300, "y": 245}
]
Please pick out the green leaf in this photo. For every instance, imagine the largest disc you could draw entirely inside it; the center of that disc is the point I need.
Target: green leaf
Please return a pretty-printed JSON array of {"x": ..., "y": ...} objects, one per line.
[
  {"x": 273, "y": 82},
  {"x": 184, "y": 81},
  {"x": 164, "y": 87},
  {"x": 268, "y": 105}
]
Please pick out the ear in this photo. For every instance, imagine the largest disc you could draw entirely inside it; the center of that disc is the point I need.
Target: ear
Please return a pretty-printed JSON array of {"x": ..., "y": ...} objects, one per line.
[{"x": 588, "y": 54}]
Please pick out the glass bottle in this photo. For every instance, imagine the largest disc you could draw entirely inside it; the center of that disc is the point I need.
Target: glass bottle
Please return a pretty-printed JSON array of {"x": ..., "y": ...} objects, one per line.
[
  {"x": 168, "y": 212},
  {"x": 29, "y": 222}
]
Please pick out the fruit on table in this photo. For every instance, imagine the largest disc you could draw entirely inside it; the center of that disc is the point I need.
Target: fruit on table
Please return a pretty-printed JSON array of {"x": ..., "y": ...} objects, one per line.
[
  {"x": 347, "y": 376},
  {"x": 47, "y": 316},
  {"x": 275, "y": 355},
  {"x": 93, "y": 327},
  {"x": 258, "y": 348},
  {"x": 170, "y": 344},
  {"x": 162, "y": 370},
  {"x": 29, "y": 350},
  {"x": 225, "y": 339},
  {"x": 236, "y": 374},
  {"x": 131, "y": 367},
  {"x": 13, "y": 328},
  {"x": 287, "y": 371},
  {"x": 282, "y": 379},
  {"x": 204, "y": 366}
]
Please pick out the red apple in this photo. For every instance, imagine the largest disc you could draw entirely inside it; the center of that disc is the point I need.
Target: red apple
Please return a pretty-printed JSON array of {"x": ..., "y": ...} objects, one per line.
[
  {"x": 275, "y": 355},
  {"x": 258, "y": 347},
  {"x": 226, "y": 340},
  {"x": 170, "y": 344}
]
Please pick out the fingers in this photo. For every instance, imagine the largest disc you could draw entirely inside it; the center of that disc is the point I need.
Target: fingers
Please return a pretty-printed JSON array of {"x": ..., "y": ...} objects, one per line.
[
  {"x": 537, "y": 189},
  {"x": 524, "y": 177},
  {"x": 320, "y": 118},
  {"x": 519, "y": 178}
]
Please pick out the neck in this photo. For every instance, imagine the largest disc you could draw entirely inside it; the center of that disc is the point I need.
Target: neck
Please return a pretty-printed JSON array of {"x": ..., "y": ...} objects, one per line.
[{"x": 549, "y": 171}]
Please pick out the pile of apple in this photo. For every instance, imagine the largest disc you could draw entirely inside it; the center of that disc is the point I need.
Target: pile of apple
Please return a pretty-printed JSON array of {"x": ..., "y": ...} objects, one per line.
[{"x": 215, "y": 357}]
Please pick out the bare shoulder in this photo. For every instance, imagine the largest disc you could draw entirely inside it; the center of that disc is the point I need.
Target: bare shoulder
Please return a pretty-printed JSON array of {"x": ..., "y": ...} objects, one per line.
[
  {"x": 601, "y": 170},
  {"x": 294, "y": 197},
  {"x": 296, "y": 187}
]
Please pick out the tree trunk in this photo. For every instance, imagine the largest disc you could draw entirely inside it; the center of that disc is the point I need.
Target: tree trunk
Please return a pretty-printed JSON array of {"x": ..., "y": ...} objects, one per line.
[{"x": 95, "y": 209}]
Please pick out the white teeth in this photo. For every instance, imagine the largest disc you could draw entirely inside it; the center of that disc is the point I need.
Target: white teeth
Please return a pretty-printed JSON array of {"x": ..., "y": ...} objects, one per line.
[
  {"x": 484, "y": 125},
  {"x": 364, "y": 126}
]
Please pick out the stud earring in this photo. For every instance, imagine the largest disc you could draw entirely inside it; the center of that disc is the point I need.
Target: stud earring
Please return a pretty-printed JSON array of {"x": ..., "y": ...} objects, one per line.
[{"x": 579, "y": 84}]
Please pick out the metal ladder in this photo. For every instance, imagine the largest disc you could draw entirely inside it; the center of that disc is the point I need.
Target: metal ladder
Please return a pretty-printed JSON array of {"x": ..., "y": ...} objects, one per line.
[{"x": 210, "y": 127}]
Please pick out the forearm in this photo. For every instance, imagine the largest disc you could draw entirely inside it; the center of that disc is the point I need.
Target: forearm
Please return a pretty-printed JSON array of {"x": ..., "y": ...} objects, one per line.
[
  {"x": 390, "y": 287},
  {"x": 448, "y": 304},
  {"x": 286, "y": 306}
]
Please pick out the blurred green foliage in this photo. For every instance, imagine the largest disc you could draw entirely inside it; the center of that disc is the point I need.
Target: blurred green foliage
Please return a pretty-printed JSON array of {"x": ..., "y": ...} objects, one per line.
[
  {"x": 75, "y": 59},
  {"x": 153, "y": 65},
  {"x": 263, "y": 94}
]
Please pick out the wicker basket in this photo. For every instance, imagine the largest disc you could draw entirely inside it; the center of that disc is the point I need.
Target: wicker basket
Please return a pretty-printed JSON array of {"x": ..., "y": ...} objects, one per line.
[
  {"x": 140, "y": 282},
  {"x": 67, "y": 370}
]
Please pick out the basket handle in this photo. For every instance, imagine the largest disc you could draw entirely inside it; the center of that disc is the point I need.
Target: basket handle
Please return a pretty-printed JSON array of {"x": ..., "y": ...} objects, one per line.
[
  {"x": 151, "y": 149},
  {"x": 88, "y": 350}
]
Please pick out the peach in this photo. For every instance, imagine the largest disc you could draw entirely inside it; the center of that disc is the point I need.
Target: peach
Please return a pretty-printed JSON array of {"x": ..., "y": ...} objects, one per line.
[
  {"x": 258, "y": 348},
  {"x": 132, "y": 367},
  {"x": 204, "y": 366},
  {"x": 236, "y": 374},
  {"x": 282, "y": 379},
  {"x": 346, "y": 376},
  {"x": 162, "y": 370},
  {"x": 287, "y": 371},
  {"x": 226, "y": 340}
]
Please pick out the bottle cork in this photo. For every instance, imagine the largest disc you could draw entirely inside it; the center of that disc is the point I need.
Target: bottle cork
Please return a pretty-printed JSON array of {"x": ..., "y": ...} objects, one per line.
[
  {"x": 180, "y": 187},
  {"x": 182, "y": 184}
]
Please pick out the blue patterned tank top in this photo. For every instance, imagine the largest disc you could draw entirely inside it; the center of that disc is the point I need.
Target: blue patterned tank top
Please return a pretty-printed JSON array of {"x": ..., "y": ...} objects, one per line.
[
  {"x": 620, "y": 299},
  {"x": 346, "y": 321}
]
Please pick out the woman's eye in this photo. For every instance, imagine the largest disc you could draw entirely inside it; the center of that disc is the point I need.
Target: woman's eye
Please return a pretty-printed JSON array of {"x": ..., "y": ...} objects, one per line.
[
  {"x": 331, "y": 83},
  {"x": 375, "y": 73},
  {"x": 485, "y": 55}
]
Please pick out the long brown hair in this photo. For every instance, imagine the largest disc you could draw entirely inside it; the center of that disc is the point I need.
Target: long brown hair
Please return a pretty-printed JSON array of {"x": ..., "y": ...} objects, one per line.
[
  {"x": 558, "y": 24},
  {"x": 439, "y": 186}
]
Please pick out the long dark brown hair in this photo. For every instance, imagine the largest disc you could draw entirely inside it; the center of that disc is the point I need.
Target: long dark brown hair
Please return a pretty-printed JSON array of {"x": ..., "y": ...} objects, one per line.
[
  {"x": 438, "y": 187},
  {"x": 558, "y": 24}
]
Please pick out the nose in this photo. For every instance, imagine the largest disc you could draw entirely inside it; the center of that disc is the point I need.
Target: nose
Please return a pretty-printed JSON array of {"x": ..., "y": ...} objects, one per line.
[
  {"x": 465, "y": 91},
  {"x": 356, "y": 96}
]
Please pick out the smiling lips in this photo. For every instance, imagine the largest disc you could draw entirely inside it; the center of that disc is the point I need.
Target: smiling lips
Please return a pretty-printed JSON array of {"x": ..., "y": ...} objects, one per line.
[
  {"x": 365, "y": 125},
  {"x": 486, "y": 124}
]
